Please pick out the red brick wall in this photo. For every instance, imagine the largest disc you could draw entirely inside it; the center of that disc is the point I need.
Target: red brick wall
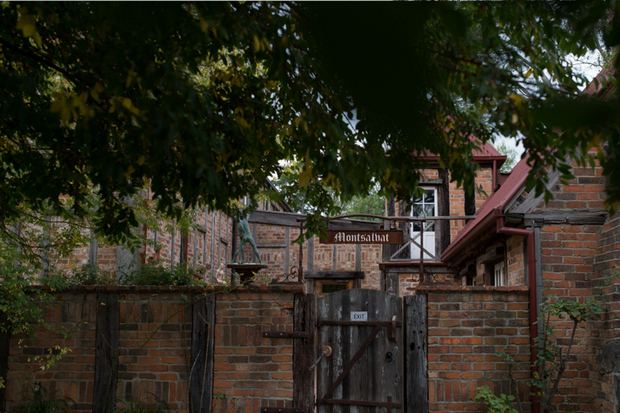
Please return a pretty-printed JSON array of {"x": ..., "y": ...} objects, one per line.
[
  {"x": 155, "y": 347},
  {"x": 467, "y": 326},
  {"x": 154, "y": 343},
  {"x": 606, "y": 262},
  {"x": 73, "y": 378},
  {"x": 252, "y": 371}
]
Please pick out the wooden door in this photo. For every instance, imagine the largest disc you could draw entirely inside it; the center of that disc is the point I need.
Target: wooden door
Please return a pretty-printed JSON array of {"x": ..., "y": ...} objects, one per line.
[{"x": 365, "y": 370}]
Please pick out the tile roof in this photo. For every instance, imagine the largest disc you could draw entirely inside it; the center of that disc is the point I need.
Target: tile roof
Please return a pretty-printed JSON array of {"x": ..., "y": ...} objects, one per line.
[{"x": 500, "y": 198}]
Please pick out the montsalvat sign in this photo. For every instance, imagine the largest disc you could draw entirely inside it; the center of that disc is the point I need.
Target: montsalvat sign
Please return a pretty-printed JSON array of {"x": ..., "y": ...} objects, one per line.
[{"x": 363, "y": 237}]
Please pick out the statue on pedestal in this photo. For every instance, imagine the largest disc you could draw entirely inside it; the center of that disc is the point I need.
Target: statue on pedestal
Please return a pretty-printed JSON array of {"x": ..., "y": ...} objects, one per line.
[
  {"x": 246, "y": 270},
  {"x": 245, "y": 235}
]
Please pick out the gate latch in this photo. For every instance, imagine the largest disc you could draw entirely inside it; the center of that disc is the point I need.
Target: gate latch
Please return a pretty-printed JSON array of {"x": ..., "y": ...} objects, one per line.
[{"x": 327, "y": 351}]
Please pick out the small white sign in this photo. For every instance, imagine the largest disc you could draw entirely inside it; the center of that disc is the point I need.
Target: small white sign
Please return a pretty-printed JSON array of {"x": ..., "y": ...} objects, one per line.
[{"x": 359, "y": 315}]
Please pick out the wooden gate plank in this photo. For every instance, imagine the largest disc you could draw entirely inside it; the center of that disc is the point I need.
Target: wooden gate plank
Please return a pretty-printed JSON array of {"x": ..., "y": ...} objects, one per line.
[
  {"x": 201, "y": 374},
  {"x": 106, "y": 352},
  {"x": 416, "y": 347},
  {"x": 304, "y": 352},
  {"x": 374, "y": 377}
]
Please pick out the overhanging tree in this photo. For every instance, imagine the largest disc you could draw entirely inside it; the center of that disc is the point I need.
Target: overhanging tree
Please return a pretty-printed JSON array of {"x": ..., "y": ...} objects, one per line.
[{"x": 201, "y": 101}]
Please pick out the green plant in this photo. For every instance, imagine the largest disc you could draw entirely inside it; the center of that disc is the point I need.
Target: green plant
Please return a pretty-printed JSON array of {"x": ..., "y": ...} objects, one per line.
[
  {"x": 493, "y": 403},
  {"x": 40, "y": 401},
  {"x": 552, "y": 357},
  {"x": 91, "y": 274},
  {"x": 552, "y": 354},
  {"x": 139, "y": 406},
  {"x": 157, "y": 274}
]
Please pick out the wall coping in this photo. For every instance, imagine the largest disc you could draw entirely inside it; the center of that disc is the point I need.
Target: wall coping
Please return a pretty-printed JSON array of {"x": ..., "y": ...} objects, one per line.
[
  {"x": 519, "y": 289},
  {"x": 137, "y": 289}
]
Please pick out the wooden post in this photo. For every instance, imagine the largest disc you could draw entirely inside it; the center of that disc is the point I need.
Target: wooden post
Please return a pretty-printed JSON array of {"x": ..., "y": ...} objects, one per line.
[
  {"x": 304, "y": 352},
  {"x": 106, "y": 352},
  {"x": 201, "y": 373},
  {"x": 416, "y": 349}
]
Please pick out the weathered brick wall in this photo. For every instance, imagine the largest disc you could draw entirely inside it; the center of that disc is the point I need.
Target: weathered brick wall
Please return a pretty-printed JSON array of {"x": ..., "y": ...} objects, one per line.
[
  {"x": 154, "y": 343},
  {"x": 73, "y": 377},
  {"x": 516, "y": 260},
  {"x": 467, "y": 326},
  {"x": 252, "y": 371},
  {"x": 605, "y": 334},
  {"x": 484, "y": 182},
  {"x": 568, "y": 255},
  {"x": 155, "y": 348}
]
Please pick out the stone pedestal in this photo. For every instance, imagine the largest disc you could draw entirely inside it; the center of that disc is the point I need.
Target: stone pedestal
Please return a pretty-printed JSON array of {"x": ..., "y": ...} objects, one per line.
[{"x": 247, "y": 271}]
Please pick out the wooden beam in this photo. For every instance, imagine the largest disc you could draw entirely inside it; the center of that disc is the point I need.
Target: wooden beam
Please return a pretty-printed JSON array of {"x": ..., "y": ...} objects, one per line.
[
  {"x": 106, "y": 352},
  {"x": 304, "y": 318},
  {"x": 565, "y": 217},
  {"x": 491, "y": 257},
  {"x": 201, "y": 373},
  {"x": 468, "y": 271},
  {"x": 334, "y": 274},
  {"x": 431, "y": 182},
  {"x": 416, "y": 360},
  {"x": 288, "y": 219}
]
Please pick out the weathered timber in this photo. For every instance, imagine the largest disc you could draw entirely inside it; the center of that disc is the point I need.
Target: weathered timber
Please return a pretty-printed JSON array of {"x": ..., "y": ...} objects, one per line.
[
  {"x": 468, "y": 271},
  {"x": 334, "y": 274},
  {"x": 416, "y": 365},
  {"x": 288, "y": 219},
  {"x": 271, "y": 245},
  {"x": 106, "y": 352},
  {"x": 431, "y": 182},
  {"x": 527, "y": 203},
  {"x": 201, "y": 373},
  {"x": 304, "y": 352},
  {"x": 491, "y": 257},
  {"x": 562, "y": 217},
  {"x": 377, "y": 372},
  {"x": 5, "y": 338},
  {"x": 443, "y": 209}
]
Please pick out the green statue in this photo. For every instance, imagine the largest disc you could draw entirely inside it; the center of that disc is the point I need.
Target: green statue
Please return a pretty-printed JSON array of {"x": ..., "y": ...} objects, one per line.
[{"x": 246, "y": 237}]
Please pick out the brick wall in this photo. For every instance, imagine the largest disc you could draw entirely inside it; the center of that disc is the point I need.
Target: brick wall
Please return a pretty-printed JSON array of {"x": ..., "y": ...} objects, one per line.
[
  {"x": 154, "y": 343},
  {"x": 515, "y": 260},
  {"x": 467, "y": 326},
  {"x": 252, "y": 371},
  {"x": 607, "y": 330},
  {"x": 155, "y": 348},
  {"x": 484, "y": 181},
  {"x": 73, "y": 378}
]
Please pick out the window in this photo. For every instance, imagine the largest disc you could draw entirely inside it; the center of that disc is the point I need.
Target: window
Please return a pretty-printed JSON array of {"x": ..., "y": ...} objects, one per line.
[
  {"x": 331, "y": 286},
  {"x": 424, "y": 206},
  {"x": 498, "y": 274}
]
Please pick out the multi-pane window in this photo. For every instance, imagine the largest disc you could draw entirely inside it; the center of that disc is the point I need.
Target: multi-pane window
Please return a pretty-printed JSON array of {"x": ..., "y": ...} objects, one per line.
[
  {"x": 424, "y": 206},
  {"x": 498, "y": 274}
]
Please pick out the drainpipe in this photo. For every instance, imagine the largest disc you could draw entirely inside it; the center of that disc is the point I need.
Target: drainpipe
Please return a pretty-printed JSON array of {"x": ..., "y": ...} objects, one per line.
[{"x": 531, "y": 266}]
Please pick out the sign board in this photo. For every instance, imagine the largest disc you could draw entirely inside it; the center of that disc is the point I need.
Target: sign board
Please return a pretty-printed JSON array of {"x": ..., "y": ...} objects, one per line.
[
  {"x": 359, "y": 315},
  {"x": 363, "y": 237}
]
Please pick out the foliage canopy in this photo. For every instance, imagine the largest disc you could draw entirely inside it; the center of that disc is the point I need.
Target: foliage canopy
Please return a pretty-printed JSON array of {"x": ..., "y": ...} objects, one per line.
[{"x": 201, "y": 101}]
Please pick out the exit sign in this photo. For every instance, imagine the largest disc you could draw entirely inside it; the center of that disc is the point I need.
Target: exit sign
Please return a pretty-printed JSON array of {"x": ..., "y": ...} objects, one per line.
[{"x": 359, "y": 315}]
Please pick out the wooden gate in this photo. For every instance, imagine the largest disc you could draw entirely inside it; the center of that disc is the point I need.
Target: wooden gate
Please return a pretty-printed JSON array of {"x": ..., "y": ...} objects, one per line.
[{"x": 364, "y": 373}]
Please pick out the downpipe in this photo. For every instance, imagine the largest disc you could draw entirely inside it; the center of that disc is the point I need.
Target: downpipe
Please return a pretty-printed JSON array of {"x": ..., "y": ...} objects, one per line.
[{"x": 530, "y": 235}]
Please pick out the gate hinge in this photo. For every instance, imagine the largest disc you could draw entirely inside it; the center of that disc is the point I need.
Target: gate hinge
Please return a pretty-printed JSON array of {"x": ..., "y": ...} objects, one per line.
[
  {"x": 286, "y": 334},
  {"x": 282, "y": 410}
]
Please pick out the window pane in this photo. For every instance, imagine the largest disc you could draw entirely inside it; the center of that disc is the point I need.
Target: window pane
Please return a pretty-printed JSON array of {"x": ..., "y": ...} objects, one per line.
[{"x": 430, "y": 196}]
